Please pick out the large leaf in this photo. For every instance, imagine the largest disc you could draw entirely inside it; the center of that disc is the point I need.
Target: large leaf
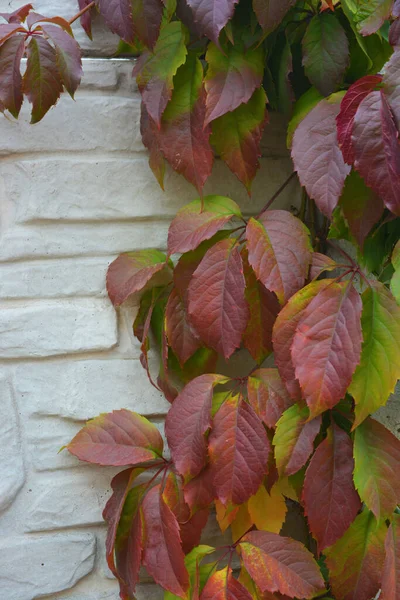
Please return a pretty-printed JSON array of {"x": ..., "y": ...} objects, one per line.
[
  {"x": 233, "y": 75},
  {"x": 147, "y": 15},
  {"x": 130, "y": 272},
  {"x": 198, "y": 574},
  {"x": 330, "y": 500},
  {"x": 391, "y": 570},
  {"x": 19, "y": 15},
  {"x": 223, "y": 586},
  {"x": 270, "y": 13},
  {"x": 41, "y": 82},
  {"x": 377, "y": 374},
  {"x": 268, "y": 395},
  {"x": 391, "y": 81},
  {"x": 239, "y": 450},
  {"x": 355, "y": 562},
  {"x": 179, "y": 332},
  {"x": 187, "y": 422},
  {"x": 211, "y": 16},
  {"x": 117, "y": 439},
  {"x": 163, "y": 556},
  {"x": 68, "y": 55},
  {"x": 294, "y": 439},
  {"x": 377, "y": 456},
  {"x": 317, "y": 157},
  {"x": 199, "y": 492},
  {"x": 216, "y": 302},
  {"x": 284, "y": 330},
  {"x": 11, "y": 53},
  {"x": 199, "y": 221},
  {"x": 280, "y": 564},
  {"x": 279, "y": 252},
  {"x": 327, "y": 345},
  {"x": 325, "y": 52},
  {"x": 369, "y": 15},
  {"x": 348, "y": 109},
  {"x": 118, "y": 17},
  {"x": 155, "y": 71},
  {"x": 184, "y": 138}
]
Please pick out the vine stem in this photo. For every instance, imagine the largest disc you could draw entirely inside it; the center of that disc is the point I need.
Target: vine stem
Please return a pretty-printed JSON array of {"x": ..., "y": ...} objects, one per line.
[
  {"x": 275, "y": 196},
  {"x": 82, "y": 12}
]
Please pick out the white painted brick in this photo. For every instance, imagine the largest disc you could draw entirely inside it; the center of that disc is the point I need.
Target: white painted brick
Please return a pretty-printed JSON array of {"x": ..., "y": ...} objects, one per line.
[
  {"x": 52, "y": 328},
  {"x": 143, "y": 592},
  {"x": 12, "y": 472},
  {"x": 108, "y": 75},
  {"x": 31, "y": 568},
  {"x": 81, "y": 239},
  {"x": 80, "y": 390}
]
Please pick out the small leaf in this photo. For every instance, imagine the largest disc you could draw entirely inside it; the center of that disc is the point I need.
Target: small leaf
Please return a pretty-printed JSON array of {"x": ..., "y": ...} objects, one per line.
[
  {"x": 34, "y": 18},
  {"x": 223, "y": 586},
  {"x": 376, "y": 456},
  {"x": 279, "y": 252},
  {"x": 163, "y": 556},
  {"x": 130, "y": 272},
  {"x": 330, "y": 326},
  {"x": 147, "y": 15},
  {"x": 268, "y": 510},
  {"x": 355, "y": 562},
  {"x": 68, "y": 56},
  {"x": 211, "y": 16},
  {"x": 117, "y": 439},
  {"x": 377, "y": 374},
  {"x": 19, "y": 15},
  {"x": 270, "y": 13},
  {"x": 317, "y": 157},
  {"x": 391, "y": 569},
  {"x": 11, "y": 53},
  {"x": 280, "y": 564},
  {"x": 268, "y": 395},
  {"x": 179, "y": 333},
  {"x": 199, "y": 221},
  {"x": 233, "y": 75},
  {"x": 216, "y": 303},
  {"x": 187, "y": 422},
  {"x": 118, "y": 17},
  {"x": 320, "y": 263},
  {"x": 325, "y": 52},
  {"x": 331, "y": 502},
  {"x": 237, "y": 439}
]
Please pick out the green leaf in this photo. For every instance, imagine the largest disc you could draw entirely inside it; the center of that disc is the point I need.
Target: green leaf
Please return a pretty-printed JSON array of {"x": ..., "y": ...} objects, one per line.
[
  {"x": 395, "y": 283},
  {"x": 369, "y": 15},
  {"x": 301, "y": 109},
  {"x": 197, "y": 575},
  {"x": 376, "y": 376}
]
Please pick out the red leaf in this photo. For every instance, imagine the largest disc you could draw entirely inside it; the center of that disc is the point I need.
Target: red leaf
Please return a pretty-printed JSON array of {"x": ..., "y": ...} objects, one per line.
[
  {"x": 163, "y": 556},
  {"x": 279, "y": 252},
  {"x": 391, "y": 570},
  {"x": 7, "y": 31},
  {"x": 211, "y": 16},
  {"x": 327, "y": 345},
  {"x": 391, "y": 84},
  {"x": 280, "y": 564},
  {"x": 179, "y": 333},
  {"x": 199, "y": 492},
  {"x": 19, "y": 15},
  {"x": 284, "y": 330},
  {"x": 86, "y": 18},
  {"x": 319, "y": 264},
  {"x": 330, "y": 500},
  {"x": 130, "y": 272},
  {"x": 42, "y": 83},
  {"x": 199, "y": 221},
  {"x": 187, "y": 422},
  {"x": 270, "y": 13},
  {"x": 348, "y": 108},
  {"x": 239, "y": 451},
  {"x": 147, "y": 15},
  {"x": 317, "y": 157},
  {"x": 11, "y": 53},
  {"x": 117, "y": 439},
  {"x": 376, "y": 149},
  {"x": 150, "y": 138},
  {"x": 118, "y": 17},
  {"x": 216, "y": 302},
  {"x": 34, "y": 18},
  {"x": 223, "y": 586},
  {"x": 268, "y": 395},
  {"x": 69, "y": 60}
]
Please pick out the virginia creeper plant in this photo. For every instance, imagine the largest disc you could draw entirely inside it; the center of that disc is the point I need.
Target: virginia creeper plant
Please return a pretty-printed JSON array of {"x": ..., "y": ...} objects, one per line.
[{"x": 312, "y": 297}]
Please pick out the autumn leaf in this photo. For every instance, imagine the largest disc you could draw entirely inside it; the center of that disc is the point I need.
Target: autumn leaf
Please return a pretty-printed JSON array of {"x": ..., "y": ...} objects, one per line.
[
  {"x": 268, "y": 395},
  {"x": 270, "y": 13},
  {"x": 150, "y": 137},
  {"x": 180, "y": 335},
  {"x": 320, "y": 263},
  {"x": 395, "y": 281},
  {"x": 391, "y": 569},
  {"x": 86, "y": 18},
  {"x": 117, "y": 439},
  {"x": 19, "y": 15},
  {"x": 376, "y": 456},
  {"x": 118, "y": 17},
  {"x": 198, "y": 574},
  {"x": 223, "y": 586},
  {"x": 11, "y": 53},
  {"x": 268, "y": 510},
  {"x": 199, "y": 492},
  {"x": 391, "y": 79},
  {"x": 369, "y": 15},
  {"x": 237, "y": 439},
  {"x": 216, "y": 303},
  {"x": 379, "y": 369},
  {"x": 68, "y": 56},
  {"x": 327, "y": 345},
  {"x": 331, "y": 502},
  {"x": 147, "y": 16},
  {"x": 211, "y": 16},
  {"x": 279, "y": 252}
]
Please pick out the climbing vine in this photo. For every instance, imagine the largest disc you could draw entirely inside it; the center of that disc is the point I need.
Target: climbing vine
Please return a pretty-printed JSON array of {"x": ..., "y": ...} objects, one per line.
[{"x": 312, "y": 297}]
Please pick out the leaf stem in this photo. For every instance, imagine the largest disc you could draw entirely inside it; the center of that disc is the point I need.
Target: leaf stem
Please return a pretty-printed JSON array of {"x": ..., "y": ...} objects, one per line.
[
  {"x": 275, "y": 196},
  {"x": 82, "y": 12}
]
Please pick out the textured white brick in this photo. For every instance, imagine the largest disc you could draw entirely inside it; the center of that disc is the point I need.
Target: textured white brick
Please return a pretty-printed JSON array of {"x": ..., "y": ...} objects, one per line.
[
  {"x": 108, "y": 75},
  {"x": 126, "y": 188},
  {"x": 31, "y": 568},
  {"x": 81, "y": 240},
  {"x": 12, "y": 473},
  {"x": 51, "y": 328},
  {"x": 54, "y": 278},
  {"x": 81, "y": 390},
  {"x": 143, "y": 592}
]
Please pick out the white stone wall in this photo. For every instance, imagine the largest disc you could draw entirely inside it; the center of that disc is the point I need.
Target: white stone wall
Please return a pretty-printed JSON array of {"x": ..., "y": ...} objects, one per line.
[{"x": 75, "y": 190}]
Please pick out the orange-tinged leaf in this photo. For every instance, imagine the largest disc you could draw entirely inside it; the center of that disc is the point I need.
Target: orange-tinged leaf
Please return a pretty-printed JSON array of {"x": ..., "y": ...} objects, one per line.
[
  {"x": 327, "y": 345},
  {"x": 391, "y": 569},
  {"x": 355, "y": 562},
  {"x": 117, "y": 439},
  {"x": 241, "y": 523},
  {"x": 239, "y": 450},
  {"x": 223, "y": 586},
  {"x": 225, "y": 514},
  {"x": 280, "y": 564},
  {"x": 268, "y": 510},
  {"x": 376, "y": 473},
  {"x": 268, "y": 395},
  {"x": 180, "y": 335},
  {"x": 330, "y": 500}
]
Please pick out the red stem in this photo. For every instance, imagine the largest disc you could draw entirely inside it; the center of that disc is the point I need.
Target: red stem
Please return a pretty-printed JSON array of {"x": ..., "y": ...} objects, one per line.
[{"x": 82, "y": 12}]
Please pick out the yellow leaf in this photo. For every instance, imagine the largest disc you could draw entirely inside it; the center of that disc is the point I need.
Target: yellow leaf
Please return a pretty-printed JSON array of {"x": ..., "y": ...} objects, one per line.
[
  {"x": 225, "y": 514},
  {"x": 241, "y": 523},
  {"x": 268, "y": 511}
]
